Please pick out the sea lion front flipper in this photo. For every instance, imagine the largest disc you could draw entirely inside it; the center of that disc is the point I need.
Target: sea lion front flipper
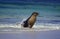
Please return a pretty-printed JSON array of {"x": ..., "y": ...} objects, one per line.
[{"x": 29, "y": 26}]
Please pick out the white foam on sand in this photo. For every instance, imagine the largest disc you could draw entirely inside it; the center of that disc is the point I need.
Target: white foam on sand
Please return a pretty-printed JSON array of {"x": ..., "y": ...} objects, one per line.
[{"x": 35, "y": 27}]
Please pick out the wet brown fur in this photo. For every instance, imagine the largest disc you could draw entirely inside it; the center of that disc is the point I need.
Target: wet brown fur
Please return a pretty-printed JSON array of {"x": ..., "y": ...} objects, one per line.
[{"x": 32, "y": 19}]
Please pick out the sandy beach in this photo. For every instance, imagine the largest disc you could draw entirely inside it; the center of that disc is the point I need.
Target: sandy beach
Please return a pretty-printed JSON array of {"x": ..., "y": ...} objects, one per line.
[{"x": 53, "y": 34}]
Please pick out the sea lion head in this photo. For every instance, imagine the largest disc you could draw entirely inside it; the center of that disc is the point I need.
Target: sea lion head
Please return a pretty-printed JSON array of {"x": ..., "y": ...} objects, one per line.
[{"x": 35, "y": 13}]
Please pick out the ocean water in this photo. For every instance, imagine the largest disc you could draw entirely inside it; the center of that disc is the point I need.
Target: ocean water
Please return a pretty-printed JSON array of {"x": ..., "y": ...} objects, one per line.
[
  {"x": 47, "y": 25},
  {"x": 12, "y": 13}
]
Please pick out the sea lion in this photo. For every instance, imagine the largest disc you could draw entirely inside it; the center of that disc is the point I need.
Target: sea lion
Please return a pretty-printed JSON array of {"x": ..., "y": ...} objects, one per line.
[{"x": 30, "y": 21}]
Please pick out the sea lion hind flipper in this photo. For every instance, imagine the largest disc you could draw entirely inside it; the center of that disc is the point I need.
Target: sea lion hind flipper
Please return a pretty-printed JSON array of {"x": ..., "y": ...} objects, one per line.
[{"x": 25, "y": 24}]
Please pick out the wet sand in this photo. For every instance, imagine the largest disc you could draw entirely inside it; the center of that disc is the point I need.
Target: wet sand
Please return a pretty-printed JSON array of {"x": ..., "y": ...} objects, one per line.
[{"x": 30, "y": 34}]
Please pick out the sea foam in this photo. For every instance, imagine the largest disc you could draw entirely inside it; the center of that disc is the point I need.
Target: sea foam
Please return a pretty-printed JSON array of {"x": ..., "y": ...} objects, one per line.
[{"x": 42, "y": 26}]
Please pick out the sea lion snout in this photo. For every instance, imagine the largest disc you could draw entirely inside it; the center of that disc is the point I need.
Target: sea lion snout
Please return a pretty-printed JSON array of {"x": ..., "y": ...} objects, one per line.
[{"x": 35, "y": 13}]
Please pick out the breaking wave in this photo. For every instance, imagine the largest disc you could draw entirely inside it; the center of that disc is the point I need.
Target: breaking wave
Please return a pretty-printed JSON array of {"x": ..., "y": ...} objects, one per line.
[{"x": 17, "y": 27}]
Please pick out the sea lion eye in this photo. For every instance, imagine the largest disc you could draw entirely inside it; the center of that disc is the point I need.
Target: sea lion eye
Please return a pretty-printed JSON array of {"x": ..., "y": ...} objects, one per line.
[{"x": 36, "y": 13}]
